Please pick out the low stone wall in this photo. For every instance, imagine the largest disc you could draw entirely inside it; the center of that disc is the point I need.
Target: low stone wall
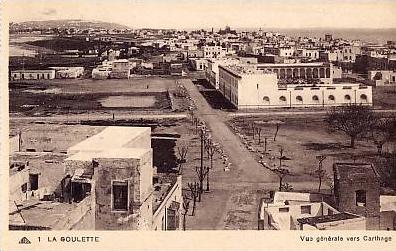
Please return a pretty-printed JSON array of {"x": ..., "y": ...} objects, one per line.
[{"x": 82, "y": 210}]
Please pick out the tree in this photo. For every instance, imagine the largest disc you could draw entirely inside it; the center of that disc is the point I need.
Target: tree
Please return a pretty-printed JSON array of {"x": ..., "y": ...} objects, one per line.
[
  {"x": 186, "y": 206},
  {"x": 277, "y": 130},
  {"x": 201, "y": 174},
  {"x": 259, "y": 128},
  {"x": 354, "y": 120},
  {"x": 252, "y": 125},
  {"x": 182, "y": 151},
  {"x": 211, "y": 150},
  {"x": 265, "y": 144},
  {"x": 279, "y": 171},
  {"x": 319, "y": 173},
  {"x": 194, "y": 191},
  {"x": 383, "y": 130}
]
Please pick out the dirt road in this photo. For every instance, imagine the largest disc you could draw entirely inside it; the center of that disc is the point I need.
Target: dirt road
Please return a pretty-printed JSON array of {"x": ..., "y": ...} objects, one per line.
[{"x": 232, "y": 204}]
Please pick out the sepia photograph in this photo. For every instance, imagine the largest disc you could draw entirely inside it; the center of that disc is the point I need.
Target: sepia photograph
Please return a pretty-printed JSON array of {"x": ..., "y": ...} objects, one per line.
[{"x": 200, "y": 115}]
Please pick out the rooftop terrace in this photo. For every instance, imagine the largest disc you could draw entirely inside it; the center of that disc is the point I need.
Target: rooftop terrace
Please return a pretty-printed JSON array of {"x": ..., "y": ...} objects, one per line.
[{"x": 327, "y": 218}]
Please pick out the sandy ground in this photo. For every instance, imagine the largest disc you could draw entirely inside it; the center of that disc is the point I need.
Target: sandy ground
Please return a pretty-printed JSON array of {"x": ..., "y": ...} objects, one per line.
[{"x": 125, "y": 101}]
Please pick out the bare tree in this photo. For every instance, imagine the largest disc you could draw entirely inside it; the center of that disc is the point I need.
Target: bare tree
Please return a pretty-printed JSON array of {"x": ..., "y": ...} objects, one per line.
[
  {"x": 265, "y": 144},
  {"x": 281, "y": 172},
  {"x": 186, "y": 206},
  {"x": 319, "y": 172},
  {"x": 277, "y": 130},
  {"x": 211, "y": 150},
  {"x": 194, "y": 191},
  {"x": 259, "y": 129},
  {"x": 182, "y": 151},
  {"x": 201, "y": 174},
  {"x": 202, "y": 170},
  {"x": 252, "y": 125},
  {"x": 383, "y": 131},
  {"x": 354, "y": 120}
]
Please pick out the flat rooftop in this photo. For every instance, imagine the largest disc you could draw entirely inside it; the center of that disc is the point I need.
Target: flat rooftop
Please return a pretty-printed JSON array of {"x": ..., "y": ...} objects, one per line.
[
  {"x": 112, "y": 153},
  {"x": 293, "y": 65},
  {"x": 40, "y": 214},
  {"x": 327, "y": 218},
  {"x": 111, "y": 137},
  {"x": 355, "y": 171},
  {"x": 240, "y": 69}
]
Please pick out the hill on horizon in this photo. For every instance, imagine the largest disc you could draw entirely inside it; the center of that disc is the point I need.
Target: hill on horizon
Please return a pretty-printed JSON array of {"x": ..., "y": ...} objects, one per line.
[{"x": 68, "y": 23}]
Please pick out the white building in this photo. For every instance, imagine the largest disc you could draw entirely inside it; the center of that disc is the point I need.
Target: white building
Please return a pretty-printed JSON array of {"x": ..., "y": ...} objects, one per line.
[
  {"x": 382, "y": 78},
  {"x": 121, "y": 69},
  {"x": 214, "y": 51},
  {"x": 199, "y": 64},
  {"x": 299, "y": 211},
  {"x": 349, "y": 52},
  {"x": 286, "y": 51},
  {"x": 68, "y": 72},
  {"x": 127, "y": 193},
  {"x": 310, "y": 53},
  {"x": 32, "y": 74},
  {"x": 246, "y": 87}
]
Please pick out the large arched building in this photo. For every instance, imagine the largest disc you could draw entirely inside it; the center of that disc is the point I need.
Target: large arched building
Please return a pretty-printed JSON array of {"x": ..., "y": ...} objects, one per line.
[{"x": 261, "y": 86}]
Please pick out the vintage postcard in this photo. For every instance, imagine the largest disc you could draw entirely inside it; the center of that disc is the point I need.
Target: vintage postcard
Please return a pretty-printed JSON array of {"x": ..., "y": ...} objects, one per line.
[{"x": 199, "y": 124}]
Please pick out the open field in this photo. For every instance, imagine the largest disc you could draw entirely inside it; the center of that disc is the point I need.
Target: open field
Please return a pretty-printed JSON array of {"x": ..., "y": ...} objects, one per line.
[
  {"x": 79, "y": 96},
  {"x": 302, "y": 138}
]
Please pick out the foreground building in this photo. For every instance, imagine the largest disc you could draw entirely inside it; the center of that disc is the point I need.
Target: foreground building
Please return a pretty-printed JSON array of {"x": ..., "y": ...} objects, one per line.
[
  {"x": 356, "y": 205},
  {"x": 248, "y": 87},
  {"x": 109, "y": 184}
]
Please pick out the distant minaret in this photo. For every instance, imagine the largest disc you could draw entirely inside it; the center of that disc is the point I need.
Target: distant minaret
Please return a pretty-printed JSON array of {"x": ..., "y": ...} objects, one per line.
[{"x": 212, "y": 30}]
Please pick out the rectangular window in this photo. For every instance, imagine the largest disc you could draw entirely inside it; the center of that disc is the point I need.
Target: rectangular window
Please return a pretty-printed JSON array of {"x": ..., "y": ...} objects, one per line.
[
  {"x": 120, "y": 195},
  {"x": 283, "y": 209},
  {"x": 306, "y": 209},
  {"x": 360, "y": 198},
  {"x": 33, "y": 179}
]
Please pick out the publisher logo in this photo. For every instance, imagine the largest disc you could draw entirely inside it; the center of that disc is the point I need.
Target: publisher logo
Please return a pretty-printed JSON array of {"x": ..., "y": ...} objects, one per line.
[{"x": 24, "y": 240}]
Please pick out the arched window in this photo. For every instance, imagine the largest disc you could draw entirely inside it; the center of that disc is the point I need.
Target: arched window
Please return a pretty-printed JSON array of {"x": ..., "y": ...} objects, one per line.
[
  {"x": 266, "y": 100},
  {"x": 299, "y": 99},
  {"x": 315, "y": 73},
  {"x": 315, "y": 99},
  {"x": 282, "y": 74},
  {"x": 289, "y": 73},
  {"x": 302, "y": 73},
  {"x": 295, "y": 73},
  {"x": 322, "y": 72},
  {"x": 277, "y": 72},
  {"x": 327, "y": 72},
  {"x": 363, "y": 98},
  {"x": 282, "y": 100},
  {"x": 347, "y": 98},
  {"x": 331, "y": 99},
  {"x": 309, "y": 73}
]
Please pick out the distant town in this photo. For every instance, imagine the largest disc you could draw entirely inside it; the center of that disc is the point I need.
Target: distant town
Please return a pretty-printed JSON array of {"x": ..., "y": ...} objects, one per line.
[{"x": 114, "y": 128}]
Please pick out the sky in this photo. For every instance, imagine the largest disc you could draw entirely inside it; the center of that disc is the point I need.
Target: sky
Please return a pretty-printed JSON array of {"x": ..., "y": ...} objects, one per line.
[{"x": 213, "y": 13}]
